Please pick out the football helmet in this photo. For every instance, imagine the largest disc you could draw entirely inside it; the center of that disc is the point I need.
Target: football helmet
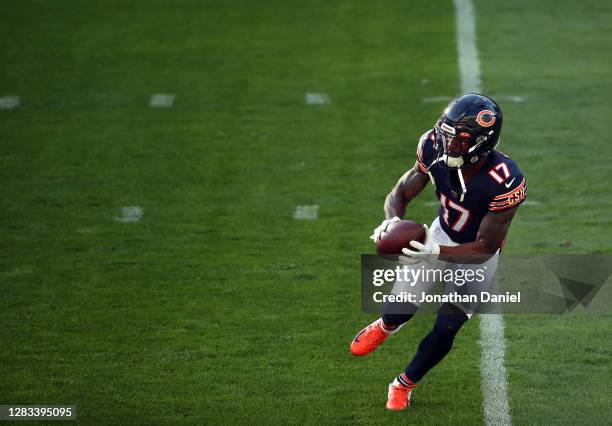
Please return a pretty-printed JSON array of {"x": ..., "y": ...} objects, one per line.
[{"x": 468, "y": 130}]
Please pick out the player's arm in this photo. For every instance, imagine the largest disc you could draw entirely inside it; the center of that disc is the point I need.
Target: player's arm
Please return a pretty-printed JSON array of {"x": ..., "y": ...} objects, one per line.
[
  {"x": 407, "y": 187},
  {"x": 491, "y": 234},
  {"x": 494, "y": 226}
]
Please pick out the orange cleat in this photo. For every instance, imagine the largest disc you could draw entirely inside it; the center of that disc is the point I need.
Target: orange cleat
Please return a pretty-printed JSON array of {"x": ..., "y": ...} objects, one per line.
[
  {"x": 369, "y": 338},
  {"x": 399, "y": 396}
]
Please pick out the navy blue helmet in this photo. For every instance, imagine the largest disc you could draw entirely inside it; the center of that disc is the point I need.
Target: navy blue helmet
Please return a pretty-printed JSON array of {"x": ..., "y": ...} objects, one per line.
[{"x": 468, "y": 130}]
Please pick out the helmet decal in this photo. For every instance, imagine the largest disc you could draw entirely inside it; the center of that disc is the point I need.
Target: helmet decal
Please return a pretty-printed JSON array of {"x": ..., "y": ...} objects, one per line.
[
  {"x": 448, "y": 128},
  {"x": 486, "y": 118}
]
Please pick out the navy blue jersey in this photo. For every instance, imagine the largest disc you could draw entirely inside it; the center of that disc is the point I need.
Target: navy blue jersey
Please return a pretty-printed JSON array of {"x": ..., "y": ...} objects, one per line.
[{"x": 497, "y": 186}]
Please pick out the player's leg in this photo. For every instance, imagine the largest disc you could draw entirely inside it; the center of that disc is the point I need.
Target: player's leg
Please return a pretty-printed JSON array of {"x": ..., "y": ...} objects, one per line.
[
  {"x": 432, "y": 349},
  {"x": 474, "y": 287},
  {"x": 394, "y": 317},
  {"x": 396, "y": 314},
  {"x": 438, "y": 342}
]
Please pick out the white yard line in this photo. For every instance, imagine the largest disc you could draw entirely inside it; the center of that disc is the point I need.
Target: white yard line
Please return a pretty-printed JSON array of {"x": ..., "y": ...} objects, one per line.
[
  {"x": 130, "y": 214},
  {"x": 9, "y": 102},
  {"x": 499, "y": 98},
  {"x": 316, "y": 98},
  {"x": 469, "y": 65},
  {"x": 306, "y": 212},
  {"x": 435, "y": 99},
  {"x": 161, "y": 100},
  {"x": 492, "y": 369}
]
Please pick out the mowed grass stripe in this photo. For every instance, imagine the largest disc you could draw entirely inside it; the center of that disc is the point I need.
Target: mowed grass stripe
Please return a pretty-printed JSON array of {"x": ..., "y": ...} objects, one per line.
[{"x": 217, "y": 306}]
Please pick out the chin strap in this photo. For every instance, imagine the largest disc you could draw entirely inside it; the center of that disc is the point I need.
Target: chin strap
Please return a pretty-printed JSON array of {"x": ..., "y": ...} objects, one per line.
[
  {"x": 445, "y": 159},
  {"x": 462, "y": 182}
]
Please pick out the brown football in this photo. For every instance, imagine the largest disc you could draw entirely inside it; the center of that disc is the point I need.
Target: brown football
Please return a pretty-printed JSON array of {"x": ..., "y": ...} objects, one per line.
[{"x": 398, "y": 236}]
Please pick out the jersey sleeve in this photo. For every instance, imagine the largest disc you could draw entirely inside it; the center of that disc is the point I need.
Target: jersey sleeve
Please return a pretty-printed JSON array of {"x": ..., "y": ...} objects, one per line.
[
  {"x": 511, "y": 194},
  {"x": 425, "y": 151}
]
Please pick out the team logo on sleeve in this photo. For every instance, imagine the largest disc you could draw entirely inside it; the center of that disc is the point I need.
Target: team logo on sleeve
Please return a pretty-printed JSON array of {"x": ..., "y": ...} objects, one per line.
[{"x": 486, "y": 118}]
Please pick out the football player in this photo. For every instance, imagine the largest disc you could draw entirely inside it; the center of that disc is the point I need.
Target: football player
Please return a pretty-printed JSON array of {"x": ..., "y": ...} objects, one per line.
[{"x": 479, "y": 190}]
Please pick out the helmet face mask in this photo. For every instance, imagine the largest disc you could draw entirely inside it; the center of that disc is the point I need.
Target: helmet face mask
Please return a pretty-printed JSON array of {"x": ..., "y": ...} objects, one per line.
[{"x": 451, "y": 147}]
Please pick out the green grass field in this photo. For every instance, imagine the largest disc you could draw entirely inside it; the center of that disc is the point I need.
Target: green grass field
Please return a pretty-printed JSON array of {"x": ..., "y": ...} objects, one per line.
[{"x": 217, "y": 306}]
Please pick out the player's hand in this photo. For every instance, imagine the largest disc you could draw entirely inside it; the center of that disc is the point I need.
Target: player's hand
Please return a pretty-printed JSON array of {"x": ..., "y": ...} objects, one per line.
[
  {"x": 383, "y": 227},
  {"x": 429, "y": 247},
  {"x": 412, "y": 261}
]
